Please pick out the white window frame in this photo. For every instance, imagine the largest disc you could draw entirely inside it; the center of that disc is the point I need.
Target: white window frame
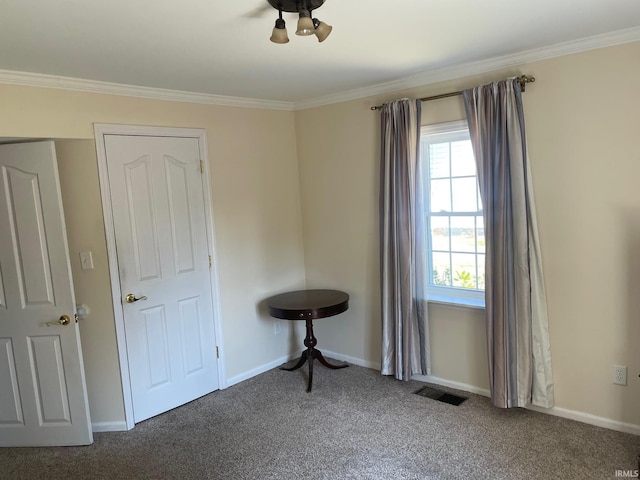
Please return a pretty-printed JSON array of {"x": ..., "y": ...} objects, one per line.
[{"x": 438, "y": 294}]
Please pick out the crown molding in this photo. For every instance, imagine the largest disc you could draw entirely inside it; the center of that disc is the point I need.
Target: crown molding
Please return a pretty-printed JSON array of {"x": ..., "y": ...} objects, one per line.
[
  {"x": 93, "y": 86},
  {"x": 619, "y": 37},
  {"x": 425, "y": 78}
]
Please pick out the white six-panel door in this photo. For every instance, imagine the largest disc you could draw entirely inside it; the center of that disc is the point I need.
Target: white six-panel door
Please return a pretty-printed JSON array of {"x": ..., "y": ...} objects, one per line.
[
  {"x": 160, "y": 228},
  {"x": 43, "y": 398}
]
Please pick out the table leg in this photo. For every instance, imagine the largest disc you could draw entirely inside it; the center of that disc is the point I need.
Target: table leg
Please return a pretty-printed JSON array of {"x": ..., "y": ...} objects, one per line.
[
  {"x": 317, "y": 354},
  {"x": 310, "y": 342},
  {"x": 310, "y": 370},
  {"x": 310, "y": 354},
  {"x": 301, "y": 360}
]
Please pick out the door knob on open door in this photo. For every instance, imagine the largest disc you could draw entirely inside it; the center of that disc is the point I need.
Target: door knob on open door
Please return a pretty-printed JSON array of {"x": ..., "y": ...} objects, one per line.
[
  {"x": 64, "y": 320},
  {"x": 130, "y": 298}
]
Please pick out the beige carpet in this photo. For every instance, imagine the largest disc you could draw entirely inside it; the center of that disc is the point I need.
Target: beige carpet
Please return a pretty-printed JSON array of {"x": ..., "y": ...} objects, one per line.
[{"x": 355, "y": 424}]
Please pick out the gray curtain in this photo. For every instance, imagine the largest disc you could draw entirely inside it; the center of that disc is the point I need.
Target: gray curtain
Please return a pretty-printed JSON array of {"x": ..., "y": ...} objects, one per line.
[
  {"x": 404, "y": 307},
  {"x": 516, "y": 310}
]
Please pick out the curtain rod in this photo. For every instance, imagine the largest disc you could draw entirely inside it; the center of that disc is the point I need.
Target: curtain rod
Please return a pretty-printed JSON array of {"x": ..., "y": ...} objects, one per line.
[{"x": 522, "y": 80}]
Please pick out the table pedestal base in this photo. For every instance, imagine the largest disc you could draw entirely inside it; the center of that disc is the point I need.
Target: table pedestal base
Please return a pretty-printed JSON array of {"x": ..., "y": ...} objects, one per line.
[{"x": 310, "y": 354}]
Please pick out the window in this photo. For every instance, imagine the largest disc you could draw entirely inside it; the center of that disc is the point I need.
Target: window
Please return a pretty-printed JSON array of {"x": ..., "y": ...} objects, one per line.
[{"x": 454, "y": 225}]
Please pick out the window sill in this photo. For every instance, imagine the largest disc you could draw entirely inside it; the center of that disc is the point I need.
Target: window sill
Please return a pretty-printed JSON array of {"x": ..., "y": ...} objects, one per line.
[{"x": 456, "y": 301}]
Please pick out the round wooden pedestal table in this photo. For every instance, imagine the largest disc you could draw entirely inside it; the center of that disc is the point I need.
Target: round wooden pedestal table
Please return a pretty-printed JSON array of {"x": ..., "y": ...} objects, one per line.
[{"x": 308, "y": 305}]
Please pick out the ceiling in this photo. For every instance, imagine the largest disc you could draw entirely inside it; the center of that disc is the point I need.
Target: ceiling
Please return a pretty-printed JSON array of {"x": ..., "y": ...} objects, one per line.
[{"x": 222, "y": 48}]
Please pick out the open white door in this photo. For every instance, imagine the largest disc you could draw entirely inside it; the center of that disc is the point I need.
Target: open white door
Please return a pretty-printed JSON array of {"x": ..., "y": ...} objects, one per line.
[
  {"x": 160, "y": 223},
  {"x": 43, "y": 397}
]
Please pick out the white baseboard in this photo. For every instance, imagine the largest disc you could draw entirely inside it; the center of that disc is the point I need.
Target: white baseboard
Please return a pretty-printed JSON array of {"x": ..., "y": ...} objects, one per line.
[
  {"x": 261, "y": 369},
  {"x": 276, "y": 363},
  {"x": 353, "y": 360},
  {"x": 590, "y": 419},
  {"x": 555, "y": 411},
  {"x": 109, "y": 426}
]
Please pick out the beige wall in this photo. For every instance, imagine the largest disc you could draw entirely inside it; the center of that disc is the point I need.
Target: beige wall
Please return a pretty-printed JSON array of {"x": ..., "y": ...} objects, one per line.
[
  {"x": 582, "y": 118},
  {"x": 256, "y": 205}
]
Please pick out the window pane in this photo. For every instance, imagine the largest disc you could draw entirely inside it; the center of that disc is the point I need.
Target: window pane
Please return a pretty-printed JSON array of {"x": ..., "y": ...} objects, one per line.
[
  {"x": 440, "y": 233},
  {"x": 462, "y": 160},
  {"x": 463, "y": 238},
  {"x": 441, "y": 269},
  {"x": 464, "y": 194},
  {"x": 439, "y": 160},
  {"x": 440, "y": 196},
  {"x": 464, "y": 270},
  {"x": 480, "y": 234}
]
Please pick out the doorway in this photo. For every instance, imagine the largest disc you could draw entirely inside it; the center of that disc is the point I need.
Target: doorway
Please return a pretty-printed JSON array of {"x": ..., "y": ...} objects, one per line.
[{"x": 159, "y": 229}]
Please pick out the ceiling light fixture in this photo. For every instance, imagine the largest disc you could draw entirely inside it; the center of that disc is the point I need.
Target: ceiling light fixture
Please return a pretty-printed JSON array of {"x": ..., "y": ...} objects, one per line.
[
  {"x": 306, "y": 24},
  {"x": 279, "y": 34}
]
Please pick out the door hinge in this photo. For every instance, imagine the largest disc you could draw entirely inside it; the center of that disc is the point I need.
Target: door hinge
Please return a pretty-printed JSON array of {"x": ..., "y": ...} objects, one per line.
[
  {"x": 210, "y": 261},
  {"x": 201, "y": 166},
  {"x": 217, "y": 352}
]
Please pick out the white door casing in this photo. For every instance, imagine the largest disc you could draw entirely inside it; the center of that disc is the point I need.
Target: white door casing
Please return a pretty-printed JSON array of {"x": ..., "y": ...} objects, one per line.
[
  {"x": 43, "y": 397},
  {"x": 162, "y": 240}
]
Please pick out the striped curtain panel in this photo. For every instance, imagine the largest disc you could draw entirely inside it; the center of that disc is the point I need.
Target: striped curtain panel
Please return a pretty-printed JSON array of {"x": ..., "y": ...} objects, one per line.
[
  {"x": 516, "y": 307},
  {"x": 404, "y": 307}
]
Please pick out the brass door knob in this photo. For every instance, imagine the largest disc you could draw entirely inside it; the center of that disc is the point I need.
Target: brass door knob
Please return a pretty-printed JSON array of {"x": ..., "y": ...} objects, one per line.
[
  {"x": 63, "y": 320},
  {"x": 130, "y": 298}
]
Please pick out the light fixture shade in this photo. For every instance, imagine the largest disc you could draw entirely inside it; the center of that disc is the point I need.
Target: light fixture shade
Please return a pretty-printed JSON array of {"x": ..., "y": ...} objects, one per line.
[
  {"x": 279, "y": 34},
  {"x": 322, "y": 30},
  {"x": 305, "y": 24}
]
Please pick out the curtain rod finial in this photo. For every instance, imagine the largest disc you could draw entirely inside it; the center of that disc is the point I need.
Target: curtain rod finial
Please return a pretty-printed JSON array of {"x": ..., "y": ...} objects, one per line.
[{"x": 524, "y": 79}]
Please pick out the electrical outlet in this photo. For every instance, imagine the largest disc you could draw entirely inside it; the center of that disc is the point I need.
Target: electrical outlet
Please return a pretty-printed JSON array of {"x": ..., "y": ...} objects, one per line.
[
  {"x": 276, "y": 328},
  {"x": 619, "y": 375}
]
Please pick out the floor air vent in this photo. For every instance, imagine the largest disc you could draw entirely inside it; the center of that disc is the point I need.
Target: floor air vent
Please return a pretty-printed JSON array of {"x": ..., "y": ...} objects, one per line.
[{"x": 441, "y": 396}]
